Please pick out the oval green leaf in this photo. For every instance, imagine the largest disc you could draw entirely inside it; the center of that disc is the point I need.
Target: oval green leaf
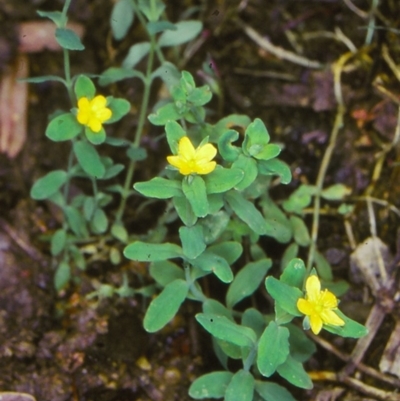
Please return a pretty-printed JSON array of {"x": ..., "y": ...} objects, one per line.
[
  {"x": 165, "y": 306},
  {"x": 89, "y": 159},
  {"x": 144, "y": 252},
  {"x": 211, "y": 385},
  {"x": 63, "y": 128},
  {"x": 48, "y": 185}
]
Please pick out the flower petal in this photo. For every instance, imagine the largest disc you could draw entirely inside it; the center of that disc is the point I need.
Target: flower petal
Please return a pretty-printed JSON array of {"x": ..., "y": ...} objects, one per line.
[
  {"x": 99, "y": 102},
  {"x": 205, "y": 153},
  {"x": 330, "y": 317},
  {"x": 206, "y": 168},
  {"x": 304, "y": 306},
  {"x": 313, "y": 288},
  {"x": 186, "y": 149},
  {"x": 328, "y": 300},
  {"x": 94, "y": 124},
  {"x": 315, "y": 323}
]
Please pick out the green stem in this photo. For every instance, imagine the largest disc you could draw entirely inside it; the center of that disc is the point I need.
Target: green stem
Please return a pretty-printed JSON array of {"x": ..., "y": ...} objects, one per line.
[
  {"x": 68, "y": 80},
  {"x": 65, "y": 9},
  {"x": 248, "y": 363},
  {"x": 193, "y": 289},
  {"x": 139, "y": 130}
]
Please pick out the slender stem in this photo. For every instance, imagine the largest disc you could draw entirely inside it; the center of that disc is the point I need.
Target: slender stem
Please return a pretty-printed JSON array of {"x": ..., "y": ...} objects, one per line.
[
  {"x": 68, "y": 80},
  {"x": 192, "y": 285},
  {"x": 337, "y": 70},
  {"x": 65, "y": 9},
  {"x": 139, "y": 129},
  {"x": 248, "y": 363}
]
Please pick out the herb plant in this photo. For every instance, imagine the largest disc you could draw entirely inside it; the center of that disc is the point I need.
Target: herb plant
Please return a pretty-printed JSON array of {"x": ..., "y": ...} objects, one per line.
[{"x": 216, "y": 189}]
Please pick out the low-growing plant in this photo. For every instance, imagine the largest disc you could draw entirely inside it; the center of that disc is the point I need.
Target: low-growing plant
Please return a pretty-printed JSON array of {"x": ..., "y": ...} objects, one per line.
[{"x": 216, "y": 188}]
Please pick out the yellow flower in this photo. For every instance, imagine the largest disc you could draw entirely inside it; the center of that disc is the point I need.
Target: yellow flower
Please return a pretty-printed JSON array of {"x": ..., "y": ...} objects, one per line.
[
  {"x": 190, "y": 160},
  {"x": 319, "y": 306},
  {"x": 93, "y": 113}
]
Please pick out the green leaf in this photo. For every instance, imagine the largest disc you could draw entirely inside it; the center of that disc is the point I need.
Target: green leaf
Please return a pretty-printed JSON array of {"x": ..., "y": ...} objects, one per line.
[
  {"x": 285, "y": 295},
  {"x": 211, "y": 385},
  {"x": 275, "y": 167},
  {"x": 56, "y": 16},
  {"x": 228, "y": 151},
  {"x": 77, "y": 256},
  {"x": 256, "y": 135},
  {"x": 247, "y": 281},
  {"x": 294, "y": 373},
  {"x": 214, "y": 225},
  {"x": 192, "y": 239},
  {"x": 63, "y": 127},
  {"x": 159, "y": 188},
  {"x": 249, "y": 168},
  {"x": 122, "y": 16},
  {"x": 84, "y": 87},
  {"x": 278, "y": 225},
  {"x": 194, "y": 189},
  {"x": 164, "y": 272},
  {"x": 323, "y": 267},
  {"x": 185, "y": 32},
  {"x": 99, "y": 222},
  {"x": 113, "y": 171},
  {"x": 159, "y": 26},
  {"x": 210, "y": 262},
  {"x": 95, "y": 138},
  {"x": 164, "y": 307},
  {"x": 169, "y": 74},
  {"x": 135, "y": 54},
  {"x": 294, "y": 273},
  {"x": 222, "y": 179},
  {"x": 48, "y": 185},
  {"x": 350, "y": 329},
  {"x": 115, "y": 74},
  {"x": 272, "y": 392},
  {"x": 246, "y": 211},
  {"x": 273, "y": 348},
  {"x": 184, "y": 210},
  {"x": 58, "y": 242},
  {"x": 144, "y": 252},
  {"x": 290, "y": 253},
  {"x": 200, "y": 96},
  {"x": 136, "y": 154},
  {"x": 336, "y": 192},
  {"x": 241, "y": 387},
  {"x": 165, "y": 113},
  {"x": 152, "y": 10},
  {"x": 76, "y": 221},
  {"x": 119, "y": 232},
  {"x": 214, "y": 307},
  {"x": 339, "y": 287},
  {"x": 174, "y": 133},
  {"x": 267, "y": 152},
  {"x": 255, "y": 320},
  {"x": 41, "y": 79},
  {"x": 224, "y": 329},
  {"x": 300, "y": 199},
  {"x": 226, "y": 123},
  {"x": 89, "y": 159},
  {"x": 228, "y": 250},
  {"x": 300, "y": 231},
  {"x": 119, "y": 108},
  {"x": 301, "y": 347},
  {"x": 62, "y": 276},
  {"x": 68, "y": 39}
]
